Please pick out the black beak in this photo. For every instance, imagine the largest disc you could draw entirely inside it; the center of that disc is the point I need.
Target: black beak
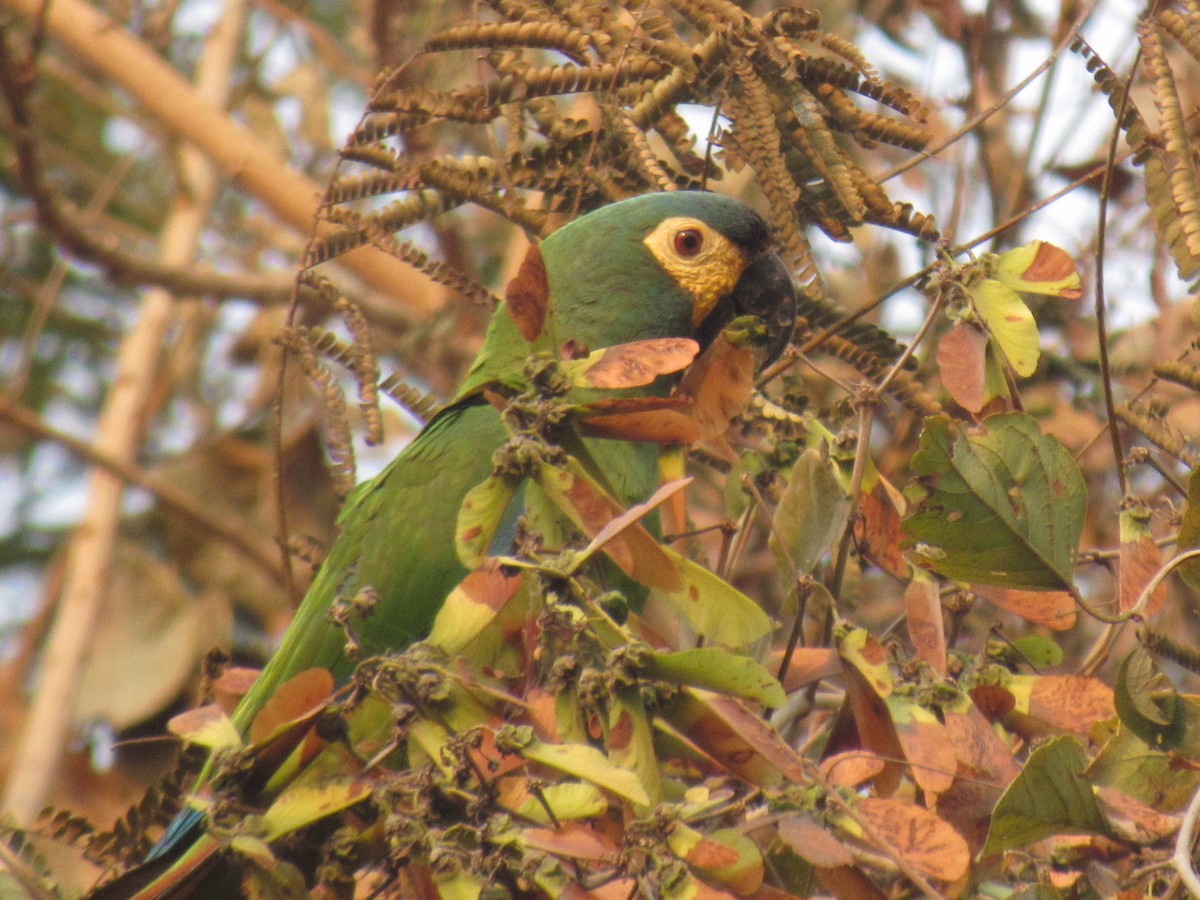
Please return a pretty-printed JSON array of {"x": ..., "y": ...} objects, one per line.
[{"x": 764, "y": 290}]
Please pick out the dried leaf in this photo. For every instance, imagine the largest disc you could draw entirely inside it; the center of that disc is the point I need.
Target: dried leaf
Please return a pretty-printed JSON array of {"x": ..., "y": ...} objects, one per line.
[
  {"x": 927, "y": 842},
  {"x": 1140, "y": 560},
  {"x": 631, "y": 365},
  {"x": 813, "y": 842},
  {"x": 1054, "y": 609},
  {"x": 961, "y": 358},
  {"x": 527, "y": 297},
  {"x": 926, "y": 629}
]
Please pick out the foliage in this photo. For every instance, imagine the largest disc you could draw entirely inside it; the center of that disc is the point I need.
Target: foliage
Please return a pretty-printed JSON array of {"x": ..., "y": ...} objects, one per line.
[{"x": 877, "y": 655}]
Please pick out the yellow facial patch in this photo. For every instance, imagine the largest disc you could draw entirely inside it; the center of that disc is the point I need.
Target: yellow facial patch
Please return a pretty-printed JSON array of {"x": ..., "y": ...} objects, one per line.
[{"x": 701, "y": 259}]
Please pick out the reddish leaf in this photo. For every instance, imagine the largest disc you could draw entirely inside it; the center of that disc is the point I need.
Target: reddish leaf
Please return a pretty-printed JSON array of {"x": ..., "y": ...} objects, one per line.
[
  {"x": 572, "y": 841},
  {"x": 814, "y": 842},
  {"x": 1054, "y": 609},
  {"x": 808, "y": 664},
  {"x": 235, "y": 682},
  {"x": 1040, "y": 268},
  {"x": 297, "y": 698},
  {"x": 527, "y": 296},
  {"x": 851, "y": 768},
  {"x": 720, "y": 383},
  {"x": 876, "y": 730},
  {"x": 725, "y": 730},
  {"x": 961, "y": 356},
  {"x": 877, "y": 528},
  {"x": 849, "y": 883},
  {"x": 926, "y": 745},
  {"x": 1069, "y": 702},
  {"x": 1140, "y": 559},
  {"x": 926, "y": 630},
  {"x": 655, "y": 426}
]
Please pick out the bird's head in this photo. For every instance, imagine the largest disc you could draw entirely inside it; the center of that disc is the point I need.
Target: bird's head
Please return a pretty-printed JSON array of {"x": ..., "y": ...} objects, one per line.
[{"x": 673, "y": 264}]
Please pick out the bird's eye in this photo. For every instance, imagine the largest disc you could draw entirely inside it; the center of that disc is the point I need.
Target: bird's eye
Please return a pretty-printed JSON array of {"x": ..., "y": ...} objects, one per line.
[{"x": 689, "y": 242}]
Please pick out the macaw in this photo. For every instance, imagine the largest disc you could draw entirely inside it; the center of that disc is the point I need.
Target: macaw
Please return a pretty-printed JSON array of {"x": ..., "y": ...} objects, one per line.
[{"x": 664, "y": 265}]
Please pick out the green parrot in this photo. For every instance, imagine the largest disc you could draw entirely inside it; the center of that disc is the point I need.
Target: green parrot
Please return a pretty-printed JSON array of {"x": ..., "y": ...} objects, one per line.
[{"x": 665, "y": 265}]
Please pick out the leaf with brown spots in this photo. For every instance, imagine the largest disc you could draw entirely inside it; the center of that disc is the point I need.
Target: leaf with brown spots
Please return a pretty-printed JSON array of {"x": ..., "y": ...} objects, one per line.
[
  {"x": 631, "y": 365},
  {"x": 527, "y": 297},
  {"x": 877, "y": 527},
  {"x": 927, "y": 842},
  {"x": 999, "y": 504}
]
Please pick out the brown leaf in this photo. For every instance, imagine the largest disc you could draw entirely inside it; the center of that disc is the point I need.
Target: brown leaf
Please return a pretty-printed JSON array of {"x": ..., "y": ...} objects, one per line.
[
  {"x": 927, "y": 842},
  {"x": 1139, "y": 561},
  {"x": 926, "y": 630},
  {"x": 877, "y": 528},
  {"x": 293, "y": 700},
  {"x": 993, "y": 701},
  {"x": 928, "y": 749},
  {"x": 1071, "y": 702},
  {"x": 1054, "y": 609},
  {"x": 876, "y": 730},
  {"x": 814, "y": 843},
  {"x": 1052, "y": 264},
  {"x": 808, "y": 664},
  {"x": 725, "y": 730},
  {"x": 709, "y": 854},
  {"x": 851, "y": 768},
  {"x": 572, "y": 841},
  {"x": 640, "y": 362},
  {"x": 961, "y": 356},
  {"x": 649, "y": 564},
  {"x": 719, "y": 383},
  {"x": 849, "y": 883},
  {"x": 527, "y": 296},
  {"x": 235, "y": 682},
  {"x": 1133, "y": 820}
]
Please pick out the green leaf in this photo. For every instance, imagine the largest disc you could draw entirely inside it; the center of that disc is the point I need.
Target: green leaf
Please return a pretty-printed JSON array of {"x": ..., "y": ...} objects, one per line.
[
  {"x": 1039, "y": 650},
  {"x": 811, "y": 515},
  {"x": 1189, "y": 532},
  {"x": 1049, "y": 797},
  {"x": 1130, "y": 765},
  {"x": 712, "y": 607},
  {"x": 1147, "y": 701},
  {"x": 721, "y": 671},
  {"x": 1000, "y": 504}
]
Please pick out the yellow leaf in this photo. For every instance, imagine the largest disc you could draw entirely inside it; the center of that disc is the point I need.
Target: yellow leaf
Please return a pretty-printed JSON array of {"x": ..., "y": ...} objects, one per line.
[{"x": 1010, "y": 324}]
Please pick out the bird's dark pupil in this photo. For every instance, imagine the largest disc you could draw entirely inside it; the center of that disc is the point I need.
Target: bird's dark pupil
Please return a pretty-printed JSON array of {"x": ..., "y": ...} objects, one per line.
[{"x": 688, "y": 242}]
